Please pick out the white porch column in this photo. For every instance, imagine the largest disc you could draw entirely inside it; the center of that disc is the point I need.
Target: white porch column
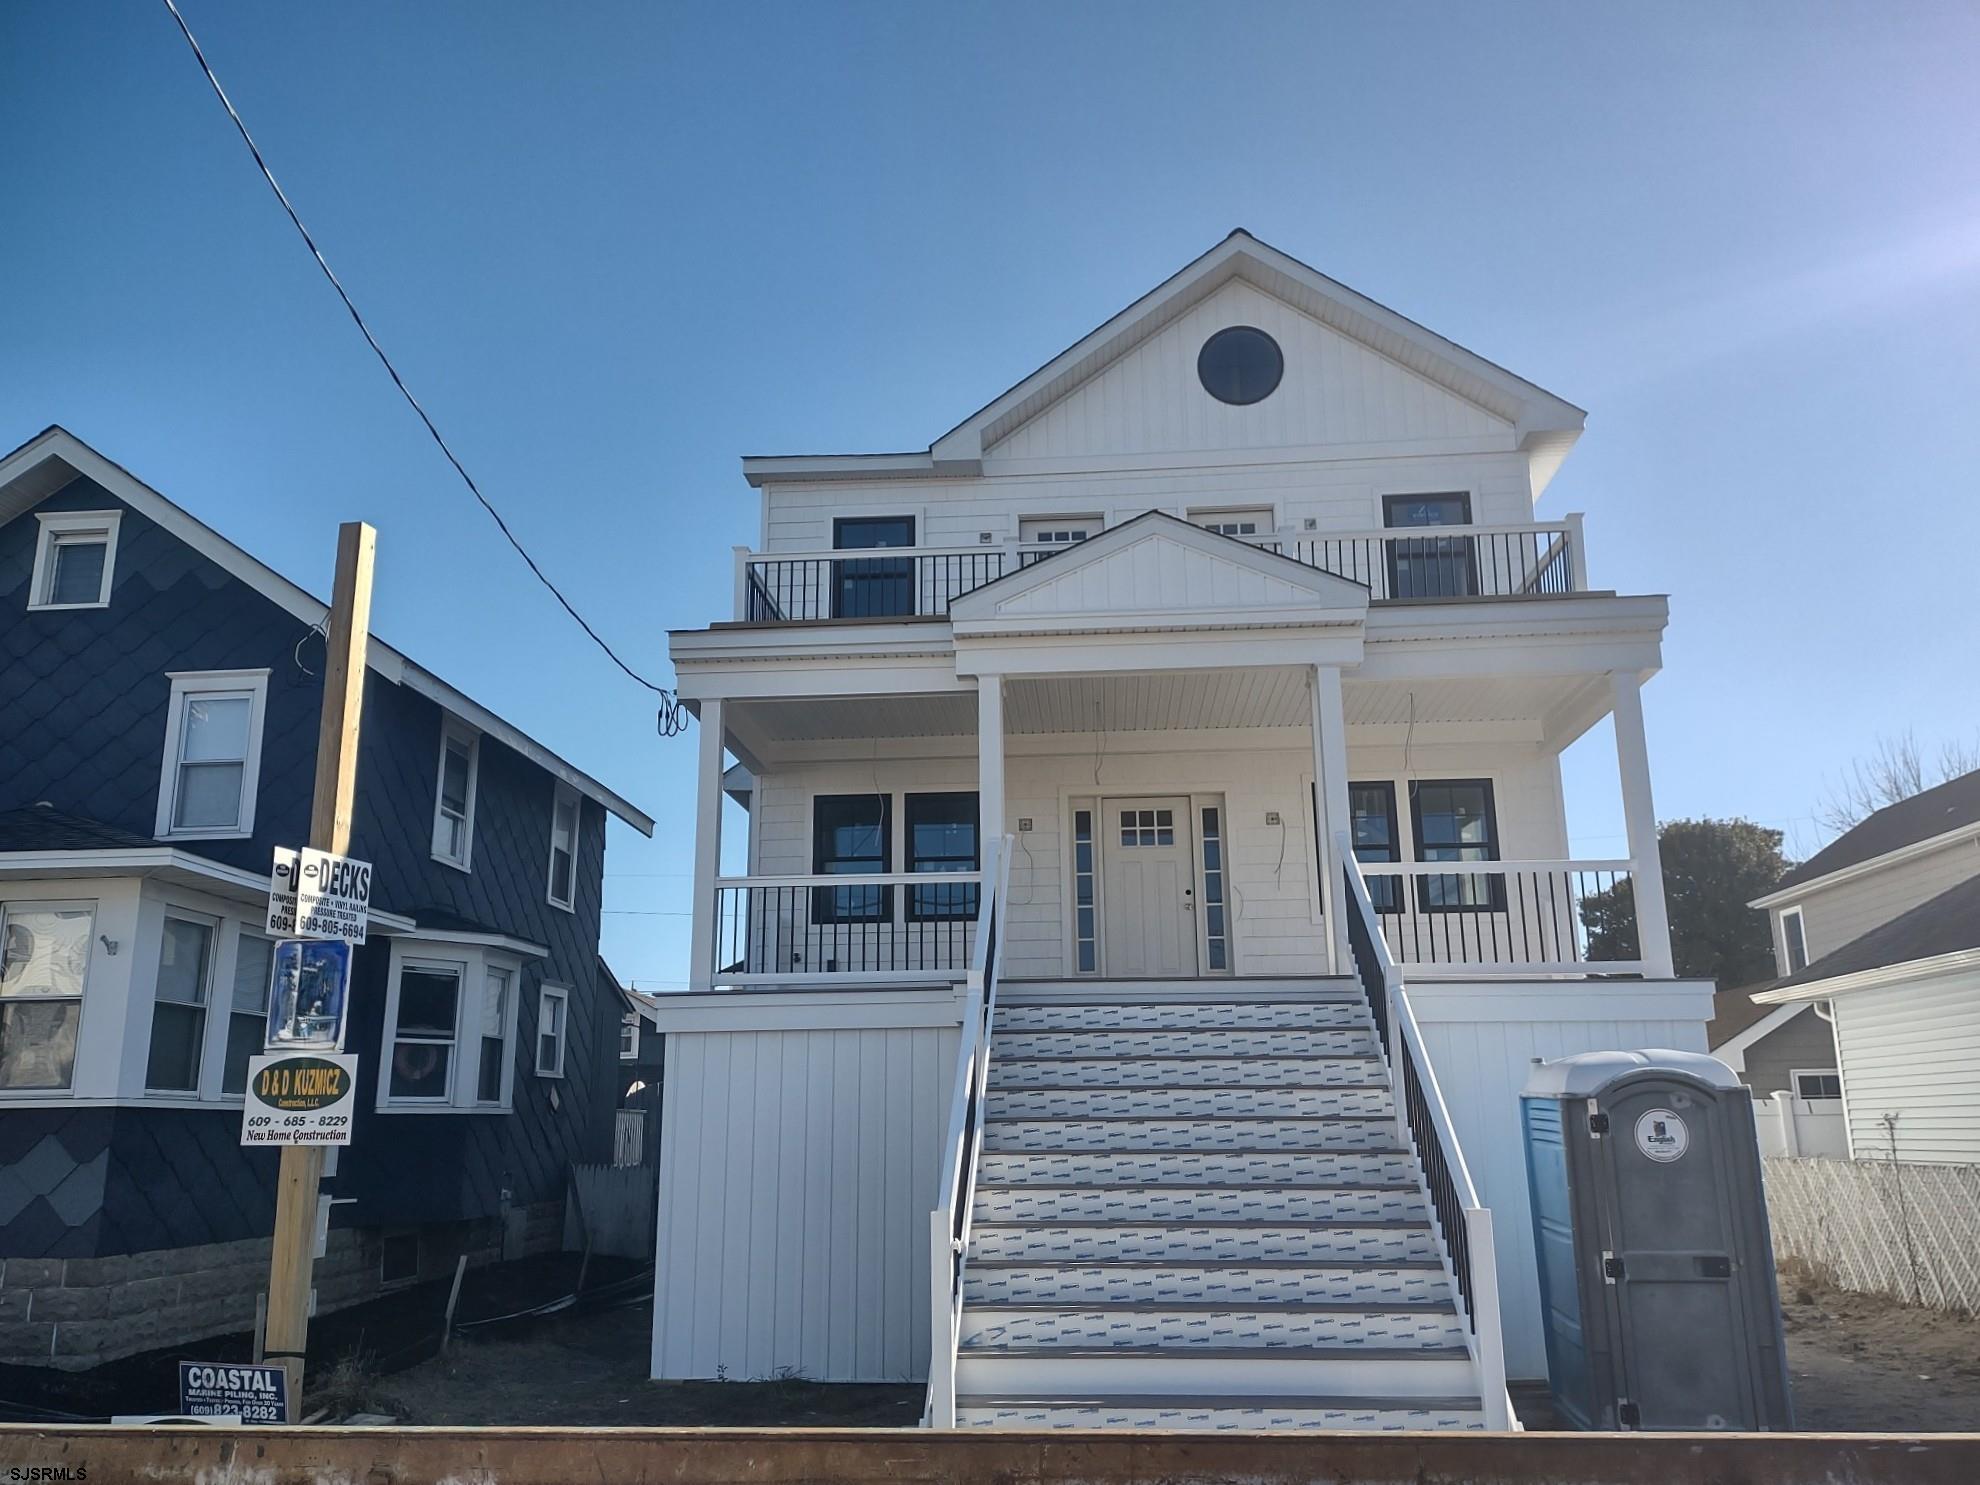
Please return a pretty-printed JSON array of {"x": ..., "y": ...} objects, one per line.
[
  {"x": 707, "y": 847},
  {"x": 990, "y": 760},
  {"x": 1330, "y": 776},
  {"x": 1653, "y": 924}
]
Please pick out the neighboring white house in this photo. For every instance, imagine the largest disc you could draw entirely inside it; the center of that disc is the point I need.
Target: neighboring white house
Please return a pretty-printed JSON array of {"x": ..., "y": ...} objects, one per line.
[
  {"x": 1081, "y": 708},
  {"x": 1879, "y": 939}
]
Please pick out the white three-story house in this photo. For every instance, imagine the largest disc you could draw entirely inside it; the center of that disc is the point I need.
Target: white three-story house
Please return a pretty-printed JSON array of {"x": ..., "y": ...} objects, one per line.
[{"x": 1156, "y": 884}]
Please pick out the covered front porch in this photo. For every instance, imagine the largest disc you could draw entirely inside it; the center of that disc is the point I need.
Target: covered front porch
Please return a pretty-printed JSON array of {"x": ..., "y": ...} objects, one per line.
[{"x": 1170, "y": 824}]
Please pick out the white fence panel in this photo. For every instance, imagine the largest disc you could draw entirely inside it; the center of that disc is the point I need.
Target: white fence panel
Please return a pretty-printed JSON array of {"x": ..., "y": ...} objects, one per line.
[
  {"x": 1881, "y": 1227},
  {"x": 629, "y": 1137}
]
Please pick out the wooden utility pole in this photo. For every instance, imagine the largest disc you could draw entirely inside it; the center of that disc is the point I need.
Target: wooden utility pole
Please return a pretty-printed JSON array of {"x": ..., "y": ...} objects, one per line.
[{"x": 294, "y": 1253}]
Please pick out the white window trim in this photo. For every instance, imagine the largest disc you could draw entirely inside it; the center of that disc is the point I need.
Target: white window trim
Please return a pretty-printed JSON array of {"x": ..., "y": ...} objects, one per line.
[
  {"x": 545, "y": 995},
  {"x": 506, "y": 1099},
  {"x": 1796, "y": 1074},
  {"x": 54, "y": 904},
  {"x": 220, "y": 951},
  {"x": 630, "y": 1023},
  {"x": 455, "y": 731},
  {"x": 186, "y": 684},
  {"x": 563, "y": 793},
  {"x": 1788, "y": 966},
  {"x": 464, "y": 1068},
  {"x": 57, "y": 524}
]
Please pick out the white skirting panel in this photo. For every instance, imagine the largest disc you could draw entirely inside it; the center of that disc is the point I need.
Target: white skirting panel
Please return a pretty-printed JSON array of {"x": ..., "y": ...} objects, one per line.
[
  {"x": 1483, "y": 1039},
  {"x": 797, "y": 1170}
]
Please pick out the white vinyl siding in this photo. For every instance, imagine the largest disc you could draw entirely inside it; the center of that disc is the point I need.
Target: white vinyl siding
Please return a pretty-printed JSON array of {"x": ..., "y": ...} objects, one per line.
[
  {"x": 793, "y": 1229},
  {"x": 1913, "y": 1050},
  {"x": 212, "y": 755},
  {"x": 1336, "y": 392}
]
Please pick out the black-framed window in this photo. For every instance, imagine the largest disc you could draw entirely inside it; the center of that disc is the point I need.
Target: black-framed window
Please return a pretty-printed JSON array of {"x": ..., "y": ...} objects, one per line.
[
  {"x": 872, "y": 587},
  {"x": 1456, "y": 820},
  {"x": 1430, "y": 566},
  {"x": 942, "y": 836},
  {"x": 852, "y": 835},
  {"x": 1376, "y": 836}
]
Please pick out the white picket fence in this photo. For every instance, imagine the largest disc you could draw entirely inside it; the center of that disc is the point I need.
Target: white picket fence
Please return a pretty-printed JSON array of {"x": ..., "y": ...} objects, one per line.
[{"x": 1881, "y": 1227}]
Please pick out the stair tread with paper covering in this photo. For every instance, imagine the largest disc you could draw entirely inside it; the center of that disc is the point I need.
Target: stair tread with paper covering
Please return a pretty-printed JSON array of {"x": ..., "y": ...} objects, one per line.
[{"x": 1197, "y": 1209}]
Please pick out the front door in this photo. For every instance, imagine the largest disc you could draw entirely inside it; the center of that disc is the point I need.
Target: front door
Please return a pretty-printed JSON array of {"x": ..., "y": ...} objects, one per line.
[{"x": 1150, "y": 889}]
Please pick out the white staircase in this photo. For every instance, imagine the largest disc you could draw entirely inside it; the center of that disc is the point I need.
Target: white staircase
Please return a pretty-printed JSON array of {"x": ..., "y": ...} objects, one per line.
[{"x": 1194, "y": 1208}]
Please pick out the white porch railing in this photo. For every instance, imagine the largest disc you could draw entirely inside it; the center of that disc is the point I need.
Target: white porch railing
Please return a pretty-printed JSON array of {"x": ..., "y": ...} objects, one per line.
[
  {"x": 1407, "y": 563},
  {"x": 891, "y": 925},
  {"x": 1464, "y": 1223},
  {"x": 1450, "y": 919},
  {"x": 955, "y": 1188}
]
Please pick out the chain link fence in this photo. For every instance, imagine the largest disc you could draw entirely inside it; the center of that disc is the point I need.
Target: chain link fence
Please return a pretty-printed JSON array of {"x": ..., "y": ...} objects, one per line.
[{"x": 1881, "y": 1227}]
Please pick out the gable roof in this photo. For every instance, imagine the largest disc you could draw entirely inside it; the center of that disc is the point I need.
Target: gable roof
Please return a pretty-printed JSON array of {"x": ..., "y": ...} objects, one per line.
[
  {"x": 1543, "y": 422},
  {"x": 1738, "y": 1021},
  {"x": 1940, "y": 810},
  {"x": 1948, "y": 924},
  {"x": 54, "y": 457},
  {"x": 1194, "y": 571}
]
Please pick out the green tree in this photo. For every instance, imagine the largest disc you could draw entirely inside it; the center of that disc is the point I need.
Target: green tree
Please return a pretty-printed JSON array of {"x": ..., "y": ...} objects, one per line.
[{"x": 1712, "y": 869}]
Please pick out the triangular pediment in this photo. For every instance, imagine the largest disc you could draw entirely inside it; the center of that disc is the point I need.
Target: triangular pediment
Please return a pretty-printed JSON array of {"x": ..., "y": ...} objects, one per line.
[{"x": 1157, "y": 571}]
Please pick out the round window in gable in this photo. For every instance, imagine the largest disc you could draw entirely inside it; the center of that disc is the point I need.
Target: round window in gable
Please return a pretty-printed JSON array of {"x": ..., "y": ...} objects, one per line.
[{"x": 1240, "y": 365}]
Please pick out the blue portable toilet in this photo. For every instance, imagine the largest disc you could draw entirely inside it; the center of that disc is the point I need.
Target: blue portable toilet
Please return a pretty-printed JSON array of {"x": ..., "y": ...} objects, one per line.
[{"x": 1657, "y": 1288}]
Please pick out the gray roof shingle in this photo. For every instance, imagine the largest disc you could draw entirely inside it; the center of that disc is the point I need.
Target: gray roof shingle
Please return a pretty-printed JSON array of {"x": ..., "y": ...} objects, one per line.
[{"x": 1943, "y": 807}]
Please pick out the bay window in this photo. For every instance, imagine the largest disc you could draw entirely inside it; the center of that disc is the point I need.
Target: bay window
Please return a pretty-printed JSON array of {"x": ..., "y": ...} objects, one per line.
[
  {"x": 178, "y": 1010},
  {"x": 44, "y": 964},
  {"x": 247, "y": 1020},
  {"x": 426, "y": 1025},
  {"x": 451, "y": 1009}
]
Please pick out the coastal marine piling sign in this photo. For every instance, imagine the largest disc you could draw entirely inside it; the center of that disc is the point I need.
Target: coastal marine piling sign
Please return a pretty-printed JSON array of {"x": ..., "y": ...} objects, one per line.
[
  {"x": 254, "y": 1394},
  {"x": 300, "y": 1098}
]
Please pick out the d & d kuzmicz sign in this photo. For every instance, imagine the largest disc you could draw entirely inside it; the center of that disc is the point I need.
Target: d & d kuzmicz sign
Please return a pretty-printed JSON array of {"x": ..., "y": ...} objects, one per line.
[{"x": 300, "y": 1098}]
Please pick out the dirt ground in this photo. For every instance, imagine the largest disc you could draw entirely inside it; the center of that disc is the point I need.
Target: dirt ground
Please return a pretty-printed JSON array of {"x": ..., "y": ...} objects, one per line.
[
  {"x": 591, "y": 1369},
  {"x": 1860, "y": 1363}
]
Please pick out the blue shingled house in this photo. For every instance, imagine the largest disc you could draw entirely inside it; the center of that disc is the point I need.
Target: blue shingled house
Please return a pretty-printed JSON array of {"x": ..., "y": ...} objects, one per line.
[{"x": 159, "y": 697}]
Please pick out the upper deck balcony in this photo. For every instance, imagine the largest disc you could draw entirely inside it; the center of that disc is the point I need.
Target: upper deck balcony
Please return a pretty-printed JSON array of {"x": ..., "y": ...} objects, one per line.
[{"x": 1397, "y": 565}]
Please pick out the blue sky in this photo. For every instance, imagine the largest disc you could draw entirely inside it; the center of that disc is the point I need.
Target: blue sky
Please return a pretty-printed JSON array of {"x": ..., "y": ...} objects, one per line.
[{"x": 614, "y": 247}]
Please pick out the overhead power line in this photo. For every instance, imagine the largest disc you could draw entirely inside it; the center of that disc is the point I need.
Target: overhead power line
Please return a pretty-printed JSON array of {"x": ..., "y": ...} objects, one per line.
[{"x": 672, "y": 719}]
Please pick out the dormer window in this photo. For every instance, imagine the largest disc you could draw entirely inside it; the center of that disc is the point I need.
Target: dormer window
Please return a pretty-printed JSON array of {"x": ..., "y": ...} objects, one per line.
[
  {"x": 75, "y": 559},
  {"x": 453, "y": 802}
]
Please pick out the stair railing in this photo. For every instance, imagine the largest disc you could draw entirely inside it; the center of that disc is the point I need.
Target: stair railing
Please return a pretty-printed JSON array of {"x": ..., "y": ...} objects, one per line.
[
  {"x": 955, "y": 1188},
  {"x": 1423, "y": 1122}
]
